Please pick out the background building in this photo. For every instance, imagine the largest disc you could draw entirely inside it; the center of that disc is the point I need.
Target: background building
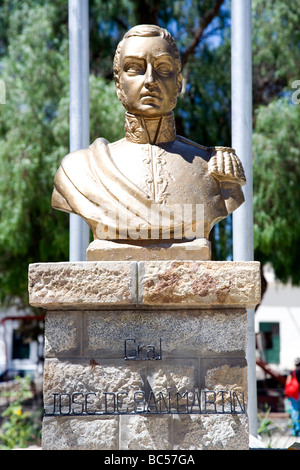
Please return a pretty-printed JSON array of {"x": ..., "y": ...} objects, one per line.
[
  {"x": 277, "y": 327},
  {"x": 21, "y": 345}
]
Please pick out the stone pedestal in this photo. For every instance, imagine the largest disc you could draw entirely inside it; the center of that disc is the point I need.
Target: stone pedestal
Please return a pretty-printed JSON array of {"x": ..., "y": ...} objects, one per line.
[{"x": 145, "y": 355}]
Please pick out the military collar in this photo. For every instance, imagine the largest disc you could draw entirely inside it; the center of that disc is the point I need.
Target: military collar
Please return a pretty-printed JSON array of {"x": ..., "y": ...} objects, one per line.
[{"x": 141, "y": 130}]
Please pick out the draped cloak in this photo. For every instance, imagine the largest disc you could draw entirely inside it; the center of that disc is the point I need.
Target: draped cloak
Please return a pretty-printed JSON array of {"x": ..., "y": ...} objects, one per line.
[{"x": 172, "y": 190}]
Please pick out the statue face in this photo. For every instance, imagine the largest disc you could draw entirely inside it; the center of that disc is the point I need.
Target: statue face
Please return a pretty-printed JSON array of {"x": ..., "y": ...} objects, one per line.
[{"x": 149, "y": 85}]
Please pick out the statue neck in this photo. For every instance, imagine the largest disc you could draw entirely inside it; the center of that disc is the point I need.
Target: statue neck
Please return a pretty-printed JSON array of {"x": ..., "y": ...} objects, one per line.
[{"x": 140, "y": 130}]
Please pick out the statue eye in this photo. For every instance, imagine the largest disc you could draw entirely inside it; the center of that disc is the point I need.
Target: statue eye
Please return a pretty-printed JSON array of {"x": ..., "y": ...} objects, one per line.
[
  {"x": 135, "y": 68},
  {"x": 163, "y": 68}
]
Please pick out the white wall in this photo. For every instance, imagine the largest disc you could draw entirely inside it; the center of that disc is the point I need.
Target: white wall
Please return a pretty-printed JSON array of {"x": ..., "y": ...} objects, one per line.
[{"x": 282, "y": 304}]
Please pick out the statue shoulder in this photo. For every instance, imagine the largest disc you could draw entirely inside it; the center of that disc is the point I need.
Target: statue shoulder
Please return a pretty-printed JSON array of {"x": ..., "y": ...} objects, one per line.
[
  {"x": 98, "y": 146},
  {"x": 225, "y": 165},
  {"x": 184, "y": 140}
]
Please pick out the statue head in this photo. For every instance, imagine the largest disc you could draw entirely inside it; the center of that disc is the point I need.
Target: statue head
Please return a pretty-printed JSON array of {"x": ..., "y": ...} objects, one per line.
[{"x": 147, "y": 71}]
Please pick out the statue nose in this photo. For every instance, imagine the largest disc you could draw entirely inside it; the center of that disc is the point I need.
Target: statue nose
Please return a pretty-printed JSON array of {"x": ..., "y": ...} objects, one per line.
[{"x": 149, "y": 76}]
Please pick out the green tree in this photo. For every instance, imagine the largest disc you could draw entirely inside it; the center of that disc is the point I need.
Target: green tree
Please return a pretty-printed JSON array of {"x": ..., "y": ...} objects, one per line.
[
  {"x": 33, "y": 87},
  {"x": 276, "y": 176},
  {"x": 276, "y": 150},
  {"x": 34, "y": 136},
  {"x": 276, "y": 54},
  {"x": 34, "y": 129}
]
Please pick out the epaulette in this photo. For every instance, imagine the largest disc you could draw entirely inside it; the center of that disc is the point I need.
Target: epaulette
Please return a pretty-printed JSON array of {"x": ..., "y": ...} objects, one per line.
[
  {"x": 225, "y": 165},
  {"x": 190, "y": 142}
]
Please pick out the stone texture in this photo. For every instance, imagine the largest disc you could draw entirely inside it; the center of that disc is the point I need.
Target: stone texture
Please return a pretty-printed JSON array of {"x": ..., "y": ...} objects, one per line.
[
  {"x": 177, "y": 432},
  {"x": 222, "y": 376},
  {"x": 107, "y": 250},
  {"x": 210, "y": 432},
  {"x": 197, "y": 283},
  {"x": 81, "y": 284},
  {"x": 90, "y": 433},
  {"x": 184, "y": 284},
  {"x": 145, "y": 432},
  {"x": 182, "y": 331},
  {"x": 83, "y": 377},
  {"x": 62, "y": 334},
  {"x": 197, "y": 308}
]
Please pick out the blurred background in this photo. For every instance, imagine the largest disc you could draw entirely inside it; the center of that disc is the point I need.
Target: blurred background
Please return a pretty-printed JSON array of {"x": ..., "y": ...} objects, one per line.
[{"x": 34, "y": 137}]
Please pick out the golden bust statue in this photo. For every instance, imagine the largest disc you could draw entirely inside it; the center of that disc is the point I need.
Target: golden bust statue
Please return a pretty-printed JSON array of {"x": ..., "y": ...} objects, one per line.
[{"x": 152, "y": 189}]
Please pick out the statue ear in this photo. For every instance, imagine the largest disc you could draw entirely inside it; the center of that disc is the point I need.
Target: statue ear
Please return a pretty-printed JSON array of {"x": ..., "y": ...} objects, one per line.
[
  {"x": 119, "y": 94},
  {"x": 179, "y": 83}
]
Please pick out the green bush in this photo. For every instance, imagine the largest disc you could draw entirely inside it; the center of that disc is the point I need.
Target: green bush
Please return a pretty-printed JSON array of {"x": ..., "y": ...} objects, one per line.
[{"x": 20, "y": 428}]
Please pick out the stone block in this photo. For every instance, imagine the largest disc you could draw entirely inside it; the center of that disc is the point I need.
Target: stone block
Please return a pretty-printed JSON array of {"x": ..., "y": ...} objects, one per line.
[
  {"x": 86, "y": 376},
  {"x": 63, "y": 334},
  {"x": 191, "y": 395},
  {"x": 183, "y": 332},
  {"x": 82, "y": 284},
  {"x": 77, "y": 433},
  {"x": 145, "y": 432},
  {"x": 210, "y": 432},
  {"x": 181, "y": 284},
  {"x": 140, "y": 250},
  {"x": 198, "y": 283}
]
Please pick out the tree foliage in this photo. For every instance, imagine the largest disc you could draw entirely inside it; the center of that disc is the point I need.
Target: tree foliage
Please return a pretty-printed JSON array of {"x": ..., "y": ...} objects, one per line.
[
  {"x": 276, "y": 141},
  {"x": 34, "y": 127},
  {"x": 34, "y": 136},
  {"x": 33, "y": 86},
  {"x": 276, "y": 48},
  {"x": 276, "y": 144}
]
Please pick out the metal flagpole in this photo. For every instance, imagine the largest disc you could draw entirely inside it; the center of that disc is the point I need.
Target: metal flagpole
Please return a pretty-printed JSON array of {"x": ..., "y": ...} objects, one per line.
[
  {"x": 79, "y": 109},
  {"x": 241, "y": 92}
]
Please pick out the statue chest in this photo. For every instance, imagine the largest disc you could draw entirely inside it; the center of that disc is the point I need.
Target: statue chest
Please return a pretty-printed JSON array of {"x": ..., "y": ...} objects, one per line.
[{"x": 165, "y": 175}]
